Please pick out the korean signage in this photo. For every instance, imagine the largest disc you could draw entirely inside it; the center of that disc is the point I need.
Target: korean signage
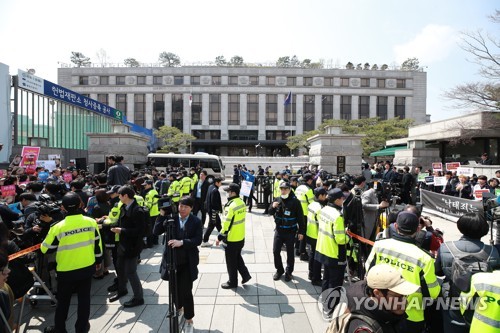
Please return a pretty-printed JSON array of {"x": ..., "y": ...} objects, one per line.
[
  {"x": 438, "y": 166},
  {"x": 47, "y": 88},
  {"x": 8, "y": 190},
  {"x": 452, "y": 166},
  {"x": 29, "y": 157},
  {"x": 449, "y": 205},
  {"x": 465, "y": 171},
  {"x": 340, "y": 164}
]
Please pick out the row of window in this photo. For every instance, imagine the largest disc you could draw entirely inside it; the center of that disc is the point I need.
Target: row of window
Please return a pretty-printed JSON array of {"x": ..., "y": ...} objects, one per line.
[
  {"x": 241, "y": 135},
  {"x": 233, "y": 81},
  {"x": 271, "y": 109}
]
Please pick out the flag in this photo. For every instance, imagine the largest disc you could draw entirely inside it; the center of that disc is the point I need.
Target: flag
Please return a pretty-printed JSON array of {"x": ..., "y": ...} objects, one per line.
[
  {"x": 190, "y": 100},
  {"x": 288, "y": 99}
]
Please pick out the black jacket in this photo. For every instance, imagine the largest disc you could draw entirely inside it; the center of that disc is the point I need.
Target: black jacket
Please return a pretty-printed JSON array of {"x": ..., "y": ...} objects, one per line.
[
  {"x": 133, "y": 224},
  {"x": 213, "y": 202},
  {"x": 191, "y": 237},
  {"x": 204, "y": 190},
  {"x": 118, "y": 174},
  {"x": 289, "y": 208}
]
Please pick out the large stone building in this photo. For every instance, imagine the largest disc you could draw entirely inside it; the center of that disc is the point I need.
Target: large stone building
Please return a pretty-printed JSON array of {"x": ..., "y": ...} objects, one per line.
[{"x": 232, "y": 109}]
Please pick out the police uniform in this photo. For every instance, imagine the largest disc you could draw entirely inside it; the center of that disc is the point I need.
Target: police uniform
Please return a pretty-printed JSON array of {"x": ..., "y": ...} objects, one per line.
[
  {"x": 413, "y": 263},
  {"x": 312, "y": 235},
  {"x": 305, "y": 195},
  {"x": 233, "y": 234},
  {"x": 151, "y": 202},
  {"x": 174, "y": 190},
  {"x": 185, "y": 185},
  {"x": 276, "y": 186},
  {"x": 77, "y": 243},
  {"x": 486, "y": 317}
]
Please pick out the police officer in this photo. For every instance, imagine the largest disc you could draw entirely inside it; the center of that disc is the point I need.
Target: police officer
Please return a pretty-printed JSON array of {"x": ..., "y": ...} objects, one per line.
[
  {"x": 330, "y": 246},
  {"x": 416, "y": 266},
  {"x": 320, "y": 201},
  {"x": 305, "y": 195},
  {"x": 289, "y": 219},
  {"x": 77, "y": 243},
  {"x": 233, "y": 234},
  {"x": 151, "y": 201},
  {"x": 214, "y": 207},
  {"x": 276, "y": 185},
  {"x": 485, "y": 314},
  {"x": 174, "y": 188},
  {"x": 184, "y": 184}
]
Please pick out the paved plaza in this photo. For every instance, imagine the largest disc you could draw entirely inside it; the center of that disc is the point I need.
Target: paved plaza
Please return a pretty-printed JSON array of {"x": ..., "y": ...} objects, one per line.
[{"x": 262, "y": 305}]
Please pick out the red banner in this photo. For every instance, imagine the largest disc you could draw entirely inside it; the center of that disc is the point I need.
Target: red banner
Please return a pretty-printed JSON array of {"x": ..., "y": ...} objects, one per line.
[
  {"x": 452, "y": 166},
  {"x": 8, "y": 190}
]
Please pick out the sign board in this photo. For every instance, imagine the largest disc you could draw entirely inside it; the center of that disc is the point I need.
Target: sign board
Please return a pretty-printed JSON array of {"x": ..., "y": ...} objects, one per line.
[
  {"x": 453, "y": 166},
  {"x": 47, "y": 88},
  {"x": 43, "y": 176},
  {"x": 3, "y": 173},
  {"x": 497, "y": 192},
  {"x": 437, "y": 166},
  {"x": 46, "y": 164},
  {"x": 340, "y": 164},
  {"x": 465, "y": 171},
  {"x": 439, "y": 181},
  {"x": 246, "y": 187},
  {"x": 8, "y": 190},
  {"x": 478, "y": 194},
  {"x": 29, "y": 158},
  {"x": 57, "y": 158},
  {"x": 429, "y": 180},
  {"x": 449, "y": 205},
  {"x": 421, "y": 176}
]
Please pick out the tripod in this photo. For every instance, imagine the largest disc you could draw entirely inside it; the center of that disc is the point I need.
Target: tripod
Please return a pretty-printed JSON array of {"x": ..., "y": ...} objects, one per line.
[{"x": 173, "y": 312}]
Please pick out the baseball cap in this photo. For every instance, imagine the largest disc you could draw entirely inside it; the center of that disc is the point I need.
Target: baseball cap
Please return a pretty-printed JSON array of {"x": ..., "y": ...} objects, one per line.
[
  {"x": 385, "y": 276},
  {"x": 232, "y": 188},
  {"x": 335, "y": 194},
  {"x": 307, "y": 177},
  {"x": 319, "y": 191},
  {"x": 149, "y": 182},
  {"x": 113, "y": 189},
  {"x": 285, "y": 185},
  {"x": 407, "y": 222}
]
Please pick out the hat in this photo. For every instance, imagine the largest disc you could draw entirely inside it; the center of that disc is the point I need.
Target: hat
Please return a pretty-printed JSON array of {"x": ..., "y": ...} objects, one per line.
[
  {"x": 335, "y": 194},
  {"x": 293, "y": 179},
  {"x": 148, "y": 182},
  {"x": 407, "y": 222},
  {"x": 71, "y": 200},
  {"x": 285, "y": 185},
  {"x": 307, "y": 177},
  {"x": 385, "y": 276},
  {"x": 319, "y": 191},
  {"x": 113, "y": 189},
  {"x": 165, "y": 204},
  {"x": 232, "y": 188},
  {"x": 282, "y": 172}
]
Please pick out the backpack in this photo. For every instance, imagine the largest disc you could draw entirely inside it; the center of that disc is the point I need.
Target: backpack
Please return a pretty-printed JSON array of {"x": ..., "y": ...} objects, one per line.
[
  {"x": 465, "y": 265},
  {"x": 341, "y": 323}
]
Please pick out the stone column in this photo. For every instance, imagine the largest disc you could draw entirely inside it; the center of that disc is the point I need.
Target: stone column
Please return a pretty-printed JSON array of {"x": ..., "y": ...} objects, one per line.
[
  {"x": 112, "y": 100},
  {"x": 336, "y": 106},
  {"x": 130, "y": 107},
  {"x": 243, "y": 110},
  {"x": 149, "y": 110},
  {"x": 317, "y": 110},
  {"x": 186, "y": 113},
  {"x": 390, "y": 107},
  {"x": 354, "y": 107},
  {"x": 205, "y": 101},
  {"x": 299, "y": 116},
  {"x": 224, "y": 117},
  {"x": 262, "y": 116},
  {"x": 373, "y": 106},
  {"x": 168, "y": 109}
]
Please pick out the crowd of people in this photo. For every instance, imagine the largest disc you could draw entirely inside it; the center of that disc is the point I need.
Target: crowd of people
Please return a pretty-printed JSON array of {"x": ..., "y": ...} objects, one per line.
[{"x": 106, "y": 220}]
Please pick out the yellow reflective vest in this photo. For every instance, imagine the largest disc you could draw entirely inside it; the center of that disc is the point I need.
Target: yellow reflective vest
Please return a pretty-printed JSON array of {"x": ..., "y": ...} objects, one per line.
[
  {"x": 412, "y": 262},
  {"x": 174, "y": 191},
  {"x": 233, "y": 226},
  {"x": 486, "y": 318},
  {"x": 194, "y": 181},
  {"x": 276, "y": 188},
  {"x": 185, "y": 186},
  {"x": 331, "y": 234},
  {"x": 305, "y": 195},
  {"x": 77, "y": 241},
  {"x": 312, "y": 219},
  {"x": 152, "y": 202}
]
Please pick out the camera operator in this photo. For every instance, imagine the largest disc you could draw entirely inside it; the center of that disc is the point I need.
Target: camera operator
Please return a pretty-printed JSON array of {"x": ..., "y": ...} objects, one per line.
[
  {"x": 289, "y": 219},
  {"x": 187, "y": 231},
  {"x": 371, "y": 210}
]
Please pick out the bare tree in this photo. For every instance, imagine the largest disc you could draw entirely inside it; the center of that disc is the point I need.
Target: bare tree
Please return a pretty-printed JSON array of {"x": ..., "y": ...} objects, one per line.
[{"x": 102, "y": 57}]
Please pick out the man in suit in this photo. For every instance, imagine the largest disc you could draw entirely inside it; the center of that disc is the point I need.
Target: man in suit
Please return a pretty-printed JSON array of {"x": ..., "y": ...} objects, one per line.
[
  {"x": 371, "y": 207},
  {"x": 184, "y": 241},
  {"x": 214, "y": 208},
  {"x": 199, "y": 195}
]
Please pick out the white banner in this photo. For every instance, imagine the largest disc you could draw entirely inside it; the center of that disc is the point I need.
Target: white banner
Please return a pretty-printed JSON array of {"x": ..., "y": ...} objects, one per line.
[
  {"x": 439, "y": 181},
  {"x": 246, "y": 187},
  {"x": 46, "y": 164},
  {"x": 465, "y": 171}
]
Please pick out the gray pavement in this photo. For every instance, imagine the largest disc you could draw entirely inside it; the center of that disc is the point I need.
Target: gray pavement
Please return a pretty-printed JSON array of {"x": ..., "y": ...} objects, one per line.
[{"x": 262, "y": 305}]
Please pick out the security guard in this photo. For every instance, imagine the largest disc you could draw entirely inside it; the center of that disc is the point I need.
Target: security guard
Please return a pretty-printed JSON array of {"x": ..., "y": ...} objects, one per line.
[
  {"x": 233, "y": 234},
  {"x": 185, "y": 184},
  {"x": 77, "y": 243},
  {"x": 289, "y": 220},
  {"x": 486, "y": 312},
  {"x": 174, "y": 188},
  {"x": 276, "y": 185},
  {"x": 305, "y": 195},
  {"x": 330, "y": 246},
  {"x": 151, "y": 201},
  {"x": 320, "y": 201},
  {"x": 413, "y": 263}
]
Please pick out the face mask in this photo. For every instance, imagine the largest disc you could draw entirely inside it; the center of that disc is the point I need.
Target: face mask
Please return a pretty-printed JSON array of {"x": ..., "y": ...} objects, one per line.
[{"x": 284, "y": 196}]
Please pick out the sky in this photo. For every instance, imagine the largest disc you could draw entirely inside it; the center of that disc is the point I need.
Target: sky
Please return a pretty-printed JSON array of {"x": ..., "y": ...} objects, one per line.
[{"x": 42, "y": 34}]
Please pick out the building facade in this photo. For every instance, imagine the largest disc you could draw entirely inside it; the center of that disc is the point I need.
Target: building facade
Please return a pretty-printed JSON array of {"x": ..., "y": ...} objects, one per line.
[{"x": 231, "y": 110}]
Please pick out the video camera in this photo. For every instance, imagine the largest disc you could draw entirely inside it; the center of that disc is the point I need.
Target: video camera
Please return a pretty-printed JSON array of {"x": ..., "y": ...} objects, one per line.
[
  {"x": 166, "y": 204},
  {"x": 387, "y": 191}
]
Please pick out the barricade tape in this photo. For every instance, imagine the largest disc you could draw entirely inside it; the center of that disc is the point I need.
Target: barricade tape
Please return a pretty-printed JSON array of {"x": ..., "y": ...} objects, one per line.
[
  {"x": 361, "y": 239},
  {"x": 23, "y": 252}
]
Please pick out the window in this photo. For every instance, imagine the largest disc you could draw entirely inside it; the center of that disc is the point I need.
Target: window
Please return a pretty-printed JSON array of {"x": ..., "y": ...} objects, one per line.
[
  {"x": 83, "y": 80},
  {"x": 365, "y": 82},
  {"x": 103, "y": 80},
  {"x": 254, "y": 80},
  {"x": 400, "y": 83},
  {"x": 158, "y": 111},
  {"x": 177, "y": 111},
  {"x": 195, "y": 80},
  {"x": 308, "y": 81},
  {"x": 328, "y": 81},
  {"x": 216, "y": 80},
  {"x": 121, "y": 102},
  {"x": 140, "y": 110},
  {"x": 234, "y": 109},
  {"x": 157, "y": 80},
  {"x": 252, "y": 109},
  {"x": 243, "y": 135},
  {"x": 291, "y": 81},
  {"x": 344, "y": 82},
  {"x": 141, "y": 80},
  {"x": 364, "y": 107},
  {"x": 206, "y": 135},
  {"x": 382, "y": 107},
  {"x": 196, "y": 109},
  {"x": 308, "y": 113},
  {"x": 399, "y": 107},
  {"x": 290, "y": 111},
  {"x": 103, "y": 98},
  {"x": 277, "y": 135},
  {"x": 214, "y": 109},
  {"x": 345, "y": 107},
  {"x": 232, "y": 81},
  {"x": 120, "y": 80},
  {"x": 178, "y": 80},
  {"x": 270, "y": 81},
  {"x": 380, "y": 83},
  {"x": 271, "y": 110},
  {"x": 326, "y": 107}
]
